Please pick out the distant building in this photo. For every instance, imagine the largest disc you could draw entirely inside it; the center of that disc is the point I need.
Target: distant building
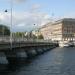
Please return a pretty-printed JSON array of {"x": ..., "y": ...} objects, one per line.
[
  {"x": 46, "y": 31},
  {"x": 36, "y": 32},
  {"x": 63, "y": 29}
]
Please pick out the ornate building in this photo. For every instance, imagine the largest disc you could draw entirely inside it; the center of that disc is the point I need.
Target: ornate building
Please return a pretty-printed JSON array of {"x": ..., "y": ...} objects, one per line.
[{"x": 63, "y": 29}]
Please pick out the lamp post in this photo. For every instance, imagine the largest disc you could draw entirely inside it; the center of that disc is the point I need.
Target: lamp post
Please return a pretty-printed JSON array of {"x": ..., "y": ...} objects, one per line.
[
  {"x": 36, "y": 31},
  {"x": 11, "y": 5},
  {"x": 3, "y": 31},
  {"x": 11, "y": 25}
]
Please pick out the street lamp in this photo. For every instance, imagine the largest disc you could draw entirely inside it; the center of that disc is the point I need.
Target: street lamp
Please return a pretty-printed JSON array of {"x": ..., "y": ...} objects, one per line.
[
  {"x": 3, "y": 31},
  {"x": 11, "y": 24},
  {"x": 36, "y": 31},
  {"x": 3, "y": 26},
  {"x": 11, "y": 5}
]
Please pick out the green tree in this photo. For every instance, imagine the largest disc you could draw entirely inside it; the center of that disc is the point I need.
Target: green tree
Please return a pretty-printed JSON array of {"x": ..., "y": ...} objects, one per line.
[
  {"x": 4, "y": 30},
  {"x": 40, "y": 36}
]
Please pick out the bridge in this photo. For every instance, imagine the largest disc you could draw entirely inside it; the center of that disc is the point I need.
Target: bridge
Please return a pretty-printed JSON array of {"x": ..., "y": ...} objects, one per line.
[{"x": 22, "y": 49}]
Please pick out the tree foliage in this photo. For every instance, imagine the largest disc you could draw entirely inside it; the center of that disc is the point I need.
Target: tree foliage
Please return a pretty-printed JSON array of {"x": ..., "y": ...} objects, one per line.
[
  {"x": 4, "y": 30},
  {"x": 40, "y": 36}
]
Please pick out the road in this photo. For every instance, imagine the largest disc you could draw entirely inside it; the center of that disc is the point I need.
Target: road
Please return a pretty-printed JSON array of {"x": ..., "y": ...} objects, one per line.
[{"x": 59, "y": 61}]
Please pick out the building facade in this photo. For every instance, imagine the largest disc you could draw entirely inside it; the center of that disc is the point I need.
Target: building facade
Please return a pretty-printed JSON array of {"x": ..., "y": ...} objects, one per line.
[
  {"x": 46, "y": 31},
  {"x": 63, "y": 29}
]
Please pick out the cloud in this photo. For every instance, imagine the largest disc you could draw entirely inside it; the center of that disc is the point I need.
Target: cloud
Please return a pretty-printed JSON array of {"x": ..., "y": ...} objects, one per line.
[
  {"x": 18, "y": 1},
  {"x": 24, "y": 21},
  {"x": 69, "y": 15},
  {"x": 35, "y": 6},
  {"x": 66, "y": 15}
]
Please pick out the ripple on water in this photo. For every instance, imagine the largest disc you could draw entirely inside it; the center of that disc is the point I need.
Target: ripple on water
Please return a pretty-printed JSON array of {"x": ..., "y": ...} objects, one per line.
[{"x": 59, "y": 61}]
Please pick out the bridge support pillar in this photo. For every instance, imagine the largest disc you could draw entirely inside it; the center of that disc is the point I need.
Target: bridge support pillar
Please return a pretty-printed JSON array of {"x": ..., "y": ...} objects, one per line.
[
  {"x": 3, "y": 59},
  {"x": 21, "y": 55},
  {"x": 31, "y": 53},
  {"x": 40, "y": 51}
]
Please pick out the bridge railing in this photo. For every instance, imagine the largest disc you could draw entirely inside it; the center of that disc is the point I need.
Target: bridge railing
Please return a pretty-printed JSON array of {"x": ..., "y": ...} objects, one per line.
[{"x": 7, "y": 39}]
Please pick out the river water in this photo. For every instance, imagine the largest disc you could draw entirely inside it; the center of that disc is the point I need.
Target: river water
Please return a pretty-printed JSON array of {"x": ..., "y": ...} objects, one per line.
[{"x": 59, "y": 61}]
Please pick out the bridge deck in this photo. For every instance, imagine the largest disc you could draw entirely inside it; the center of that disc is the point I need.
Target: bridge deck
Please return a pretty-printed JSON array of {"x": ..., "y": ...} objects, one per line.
[{"x": 7, "y": 45}]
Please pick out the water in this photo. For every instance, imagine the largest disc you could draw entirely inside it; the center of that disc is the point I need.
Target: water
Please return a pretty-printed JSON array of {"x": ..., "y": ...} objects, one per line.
[{"x": 59, "y": 61}]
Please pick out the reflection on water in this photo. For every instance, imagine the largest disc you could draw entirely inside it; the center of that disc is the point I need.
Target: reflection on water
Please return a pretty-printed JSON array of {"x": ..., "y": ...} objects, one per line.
[{"x": 59, "y": 61}]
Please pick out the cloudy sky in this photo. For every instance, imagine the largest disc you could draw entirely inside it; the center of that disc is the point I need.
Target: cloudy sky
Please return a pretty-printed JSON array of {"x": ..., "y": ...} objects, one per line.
[{"x": 30, "y": 14}]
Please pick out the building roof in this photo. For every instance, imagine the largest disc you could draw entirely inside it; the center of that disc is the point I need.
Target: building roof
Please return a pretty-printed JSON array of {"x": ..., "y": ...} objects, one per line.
[
  {"x": 61, "y": 20},
  {"x": 64, "y": 19},
  {"x": 58, "y": 21},
  {"x": 46, "y": 25}
]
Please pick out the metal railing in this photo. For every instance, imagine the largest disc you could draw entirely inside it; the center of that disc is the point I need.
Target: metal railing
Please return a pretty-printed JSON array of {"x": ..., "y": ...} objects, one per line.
[{"x": 14, "y": 39}]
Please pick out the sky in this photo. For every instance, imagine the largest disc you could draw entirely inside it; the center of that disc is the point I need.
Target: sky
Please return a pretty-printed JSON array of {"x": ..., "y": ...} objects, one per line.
[{"x": 31, "y": 14}]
